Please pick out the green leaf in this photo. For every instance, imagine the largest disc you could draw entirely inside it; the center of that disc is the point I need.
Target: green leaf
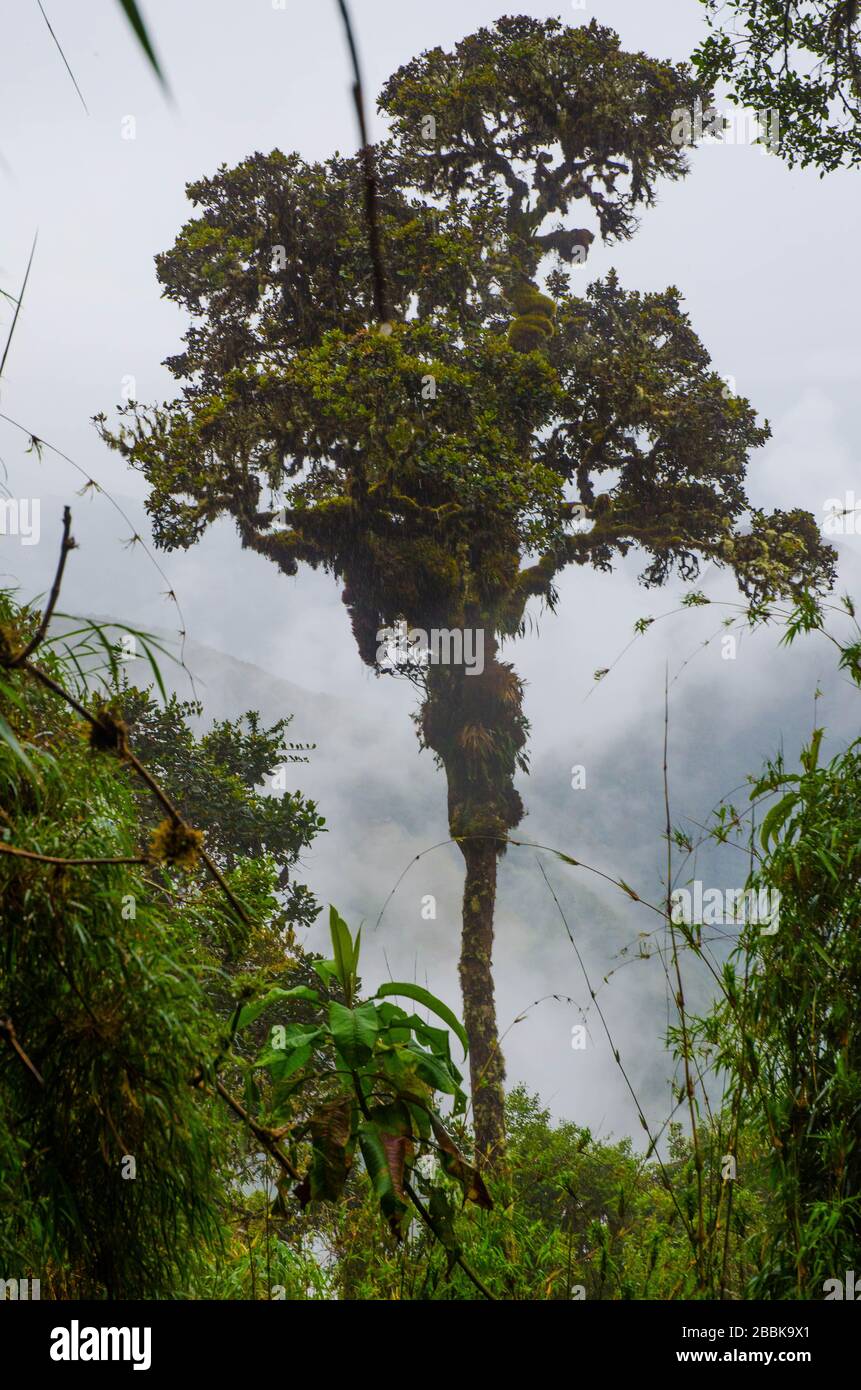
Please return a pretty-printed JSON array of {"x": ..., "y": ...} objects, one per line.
[
  {"x": 430, "y": 1001},
  {"x": 133, "y": 15},
  {"x": 342, "y": 946},
  {"x": 9, "y": 738},
  {"x": 421, "y": 1119},
  {"x": 253, "y": 1010},
  {"x": 281, "y": 1065},
  {"x": 384, "y": 1156},
  {"x": 442, "y": 1214},
  {"x": 332, "y": 1144},
  {"x": 458, "y": 1167},
  {"x": 281, "y": 1061},
  {"x": 820, "y": 951},
  {"x": 327, "y": 970},
  {"x": 776, "y": 817},
  {"x": 375, "y": 1161},
  {"x": 432, "y": 1071},
  {"x": 436, "y": 1039},
  {"x": 810, "y": 755},
  {"x": 355, "y": 1031}
]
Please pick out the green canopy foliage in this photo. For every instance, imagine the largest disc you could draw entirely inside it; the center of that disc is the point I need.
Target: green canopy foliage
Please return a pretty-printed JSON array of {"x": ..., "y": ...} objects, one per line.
[
  {"x": 425, "y": 464},
  {"x": 798, "y": 61}
]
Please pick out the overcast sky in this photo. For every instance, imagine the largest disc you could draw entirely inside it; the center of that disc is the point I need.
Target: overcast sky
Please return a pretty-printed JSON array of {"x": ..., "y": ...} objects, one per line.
[{"x": 766, "y": 260}]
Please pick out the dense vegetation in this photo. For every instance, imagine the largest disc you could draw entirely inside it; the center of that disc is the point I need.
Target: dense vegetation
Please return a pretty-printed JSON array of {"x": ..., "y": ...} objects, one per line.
[{"x": 193, "y": 1107}]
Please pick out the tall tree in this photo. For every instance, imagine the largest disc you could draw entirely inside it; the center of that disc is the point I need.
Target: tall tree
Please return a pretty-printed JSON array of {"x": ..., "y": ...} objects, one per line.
[{"x": 449, "y": 465}]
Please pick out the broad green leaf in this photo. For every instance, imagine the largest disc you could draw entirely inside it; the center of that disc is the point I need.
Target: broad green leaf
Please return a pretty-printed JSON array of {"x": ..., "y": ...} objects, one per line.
[
  {"x": 393, "y": 1118},
  {"x": 327, "y": 970},
  {"x": 421, "y": 1119},
  {"x": 355, "y": 1031},
  {"x": 331, "y": 1153},
  {"x": 375, "y": 1160},
  {"x": 299, "y": 1037},
  {"x": 342, "y": 947},
  {"x": 432, "y": 1070},
  {"x": 384, "y": 1156},
  {"x": 430, "y": 1001},
  {"x": 436, "y": 1039},
  {"x": 443, "y": 1215},
  {"x": 285, "y": 1065},
  {"x": 391, "y": 1015},
  {"x": 253, "y": 1010},
  {"x": 459, "y": 1167}
]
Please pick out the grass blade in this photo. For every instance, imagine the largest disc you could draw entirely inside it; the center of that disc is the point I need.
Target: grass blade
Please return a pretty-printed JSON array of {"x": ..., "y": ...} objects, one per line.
[
  {"x": 18, "y": 305},
  {"x": 135, "y": 19},
  {"x": 63, "y": 56}
]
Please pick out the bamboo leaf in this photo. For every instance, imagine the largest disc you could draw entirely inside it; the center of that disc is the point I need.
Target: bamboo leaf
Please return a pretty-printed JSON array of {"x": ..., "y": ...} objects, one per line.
[
  {"x": 9, "y": 738},
  {"x": 135, "y": 19}
]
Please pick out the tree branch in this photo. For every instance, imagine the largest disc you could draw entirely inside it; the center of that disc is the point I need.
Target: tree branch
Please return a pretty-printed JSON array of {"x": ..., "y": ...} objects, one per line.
[{"x": 66, "y": 545}]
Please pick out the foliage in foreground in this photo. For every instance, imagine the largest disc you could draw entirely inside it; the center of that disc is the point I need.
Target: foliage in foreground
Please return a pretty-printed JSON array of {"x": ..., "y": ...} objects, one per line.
[
  {"x": 786, "y": 1031},
  {"x": 124, "y": 1015},
  {"x": 332, "y": 1171},
  {"x": 105, "y": 1022}
]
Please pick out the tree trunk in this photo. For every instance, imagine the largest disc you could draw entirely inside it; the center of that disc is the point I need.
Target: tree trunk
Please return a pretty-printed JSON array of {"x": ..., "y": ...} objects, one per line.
[
  {"x": 473, "y": 720},
  {"x": 486, "y": 1065}
]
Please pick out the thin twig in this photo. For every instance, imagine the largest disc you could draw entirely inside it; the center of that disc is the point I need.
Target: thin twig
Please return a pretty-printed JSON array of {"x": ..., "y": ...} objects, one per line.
[
  {"x": 64, "y": 58},
  {"x": 161, "y": 795},
  {"x": 370, "y": 173},
  {"x": 521, "y": 844},
  {"x": 266, "y": 1139},
  {"x": 618, "y": 1057},
  {"x": 169, "y": 593},
  {"x": 680, "y": 994},
  {"x": 18, "y": 304},
  {"x": 432, "y": 1227},
  {"x": 67, "y": 544},
  {"x": 7, "y": 1029},
  {"x": 52, "y": 859},
  {"x": 125, "y": 753}
]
